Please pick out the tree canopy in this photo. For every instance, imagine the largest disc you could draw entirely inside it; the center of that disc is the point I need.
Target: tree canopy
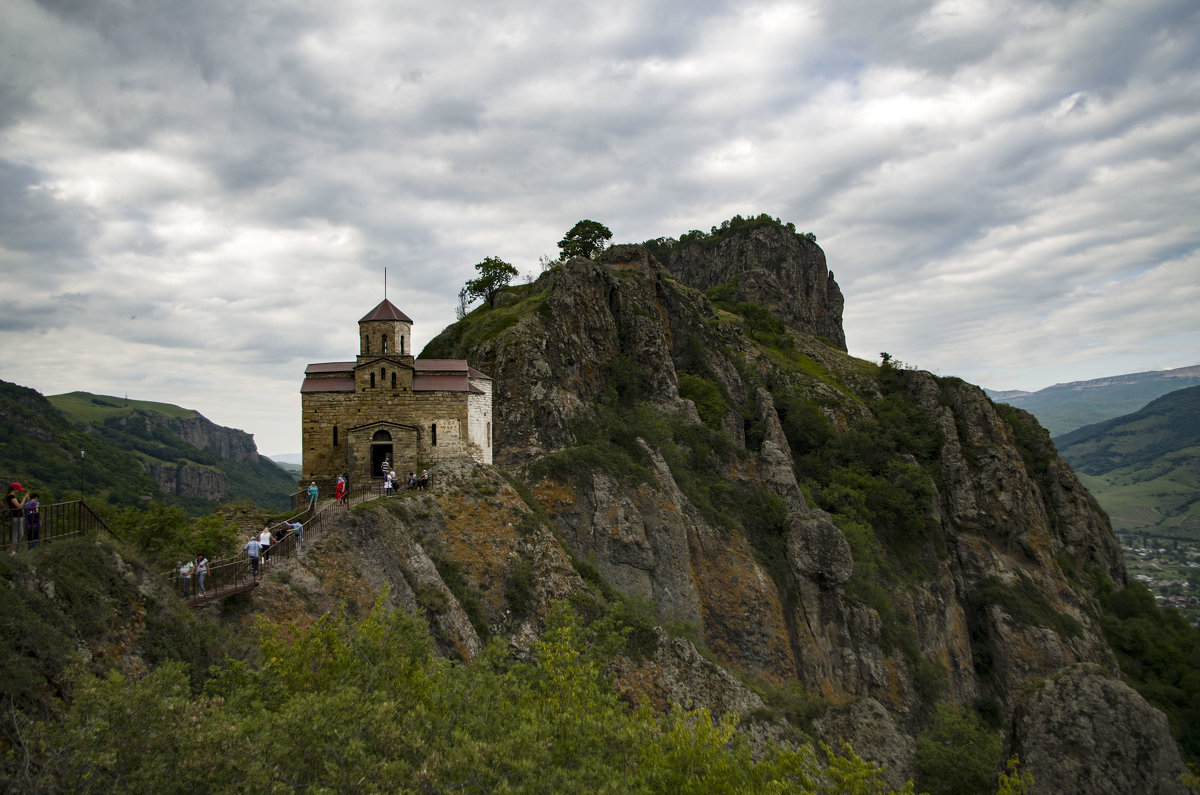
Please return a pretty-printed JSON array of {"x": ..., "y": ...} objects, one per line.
[
  {"x": 494, "y": 275},
  {"x": 586, "y": 239},
  {"x": 349, "y": 705}
]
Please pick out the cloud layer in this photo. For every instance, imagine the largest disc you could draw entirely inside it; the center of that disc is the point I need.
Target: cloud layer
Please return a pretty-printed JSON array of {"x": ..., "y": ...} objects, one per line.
[{"x": 197, "y": 199}]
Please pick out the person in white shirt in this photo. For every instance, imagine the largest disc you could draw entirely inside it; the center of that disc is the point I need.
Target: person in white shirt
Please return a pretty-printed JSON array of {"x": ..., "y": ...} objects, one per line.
[
  {"x": 266, "y": 540},
  {"x": 201, "y": 573}
]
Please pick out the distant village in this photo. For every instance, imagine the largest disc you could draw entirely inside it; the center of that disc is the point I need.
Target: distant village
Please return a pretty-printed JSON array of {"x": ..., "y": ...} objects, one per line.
[{"x": 1170, "y": 568}]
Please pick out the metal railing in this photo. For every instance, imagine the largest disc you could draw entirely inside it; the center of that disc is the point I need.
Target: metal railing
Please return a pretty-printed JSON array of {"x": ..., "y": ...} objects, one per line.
[
  {"x": 58, "y": 520},
  {"x": 235, "y": 574}
]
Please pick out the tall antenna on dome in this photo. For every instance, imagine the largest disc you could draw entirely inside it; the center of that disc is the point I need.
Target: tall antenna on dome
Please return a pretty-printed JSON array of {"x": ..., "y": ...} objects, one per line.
[{"x": 385, "y": 284}]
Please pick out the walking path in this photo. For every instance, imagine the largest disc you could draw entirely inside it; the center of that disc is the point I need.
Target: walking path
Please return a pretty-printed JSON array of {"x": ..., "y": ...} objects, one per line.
[{"x": 234, "y": 575}]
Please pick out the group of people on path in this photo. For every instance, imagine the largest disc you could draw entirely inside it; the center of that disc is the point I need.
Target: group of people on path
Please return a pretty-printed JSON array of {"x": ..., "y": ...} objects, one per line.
[
  {"x": 258, "y": 548},
  {"x": 414, "y": 482},
  {"x": 189, "y": 569},
  {"x": 25, "y": 515}
]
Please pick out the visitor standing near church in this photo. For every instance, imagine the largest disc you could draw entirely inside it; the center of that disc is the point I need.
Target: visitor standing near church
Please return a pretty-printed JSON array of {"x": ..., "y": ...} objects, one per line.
[
  {"x": 14, "y": 502},
  {"x": 385, "y": 466},
  {"x": 313, "y": 491}
]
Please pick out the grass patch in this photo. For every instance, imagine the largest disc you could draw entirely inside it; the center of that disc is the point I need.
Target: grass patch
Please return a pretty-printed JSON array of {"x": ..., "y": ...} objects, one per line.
[
  {"x": 484, "y": 324},
  {"x": 1025, "y": 603}
]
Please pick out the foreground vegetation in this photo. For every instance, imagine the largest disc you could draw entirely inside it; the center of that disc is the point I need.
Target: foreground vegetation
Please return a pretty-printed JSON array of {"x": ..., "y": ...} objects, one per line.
[{"x": 367, "y": 706}]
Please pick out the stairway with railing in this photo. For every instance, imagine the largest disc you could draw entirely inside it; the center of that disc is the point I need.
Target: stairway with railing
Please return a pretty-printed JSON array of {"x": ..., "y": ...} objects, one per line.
[
  {"x": 226, "y": 576},
  {"x": 234, "y": 575}
]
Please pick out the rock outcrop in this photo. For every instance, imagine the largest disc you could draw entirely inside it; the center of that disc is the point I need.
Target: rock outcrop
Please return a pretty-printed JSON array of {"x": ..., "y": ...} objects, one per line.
[
  {"x": 884, "y": 537},
  {"x": 773, "y": 267},
  {"x": 189, "y": 480},
  {"x": 1083, "y": 731},
  {"x": 203, "y": 433}
]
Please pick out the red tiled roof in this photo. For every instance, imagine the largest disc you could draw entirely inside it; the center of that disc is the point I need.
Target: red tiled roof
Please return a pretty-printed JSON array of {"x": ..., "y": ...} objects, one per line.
[
  {"x": 329, "y": 367},
  {"x": 385, "y": 311},
  {"x": 441, "y": 365},
  {"x": 441, "y": 383},
  {"x": 327, "y": 385},
  {"x": 473, "y": 373}
]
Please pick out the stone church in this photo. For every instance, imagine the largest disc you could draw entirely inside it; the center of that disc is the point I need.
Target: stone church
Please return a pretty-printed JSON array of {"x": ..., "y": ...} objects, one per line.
[{"x": 388, "y": 405}]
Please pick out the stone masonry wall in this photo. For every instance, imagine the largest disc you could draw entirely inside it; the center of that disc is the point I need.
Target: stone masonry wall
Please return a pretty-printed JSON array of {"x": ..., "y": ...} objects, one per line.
[
  {"x": 322, "y": 411},
  {"x": 479, "y": 421}
]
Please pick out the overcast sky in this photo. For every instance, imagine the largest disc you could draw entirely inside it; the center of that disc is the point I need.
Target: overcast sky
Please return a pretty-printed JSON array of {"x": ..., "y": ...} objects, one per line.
[{"x": 199, "y": 198}]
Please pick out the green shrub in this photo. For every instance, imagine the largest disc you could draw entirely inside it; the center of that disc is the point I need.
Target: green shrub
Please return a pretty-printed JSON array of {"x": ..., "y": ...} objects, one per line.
[
  {"x": 519, "y": 588},
  {"x": 710, "y": 403},
  {"x": 1159, "y": 655},
  {"x": 958, "y": 755}
]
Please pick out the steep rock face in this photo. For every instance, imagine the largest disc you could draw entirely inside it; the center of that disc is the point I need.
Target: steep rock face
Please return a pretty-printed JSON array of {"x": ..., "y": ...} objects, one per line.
[
  {"x": 190, "y": 480},
  {"x": 1083, "y": 731},
  {"x": 777, "y": 268},
  {"x": 552, "y": 363},
  {"x": 223, "y": 442},
  {"x": 976, "y": 587}
]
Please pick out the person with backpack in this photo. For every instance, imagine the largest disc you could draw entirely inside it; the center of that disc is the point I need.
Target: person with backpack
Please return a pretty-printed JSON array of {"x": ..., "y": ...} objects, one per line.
[{"x": 33, "y": 520}]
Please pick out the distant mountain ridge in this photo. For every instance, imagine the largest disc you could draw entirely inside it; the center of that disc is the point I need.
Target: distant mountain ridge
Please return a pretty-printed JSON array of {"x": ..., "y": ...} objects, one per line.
[
  {"x": 1064, "y": 407},
  {"x": 130, "y": 450},
  {"x": 1144, "y": 467}
]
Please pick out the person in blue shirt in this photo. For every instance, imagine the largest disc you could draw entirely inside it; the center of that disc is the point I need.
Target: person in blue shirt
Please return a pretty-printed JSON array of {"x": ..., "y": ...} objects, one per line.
[
  {"x": 312, "y": 495},
  {"x": 253, "y": 548},
  {"x": 297, "y": 531}
]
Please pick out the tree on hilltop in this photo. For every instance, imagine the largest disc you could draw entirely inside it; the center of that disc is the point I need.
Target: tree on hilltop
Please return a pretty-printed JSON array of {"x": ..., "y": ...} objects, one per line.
[
  {"x": 586, "y": 239},
  {"x": 494, "y": 275}
]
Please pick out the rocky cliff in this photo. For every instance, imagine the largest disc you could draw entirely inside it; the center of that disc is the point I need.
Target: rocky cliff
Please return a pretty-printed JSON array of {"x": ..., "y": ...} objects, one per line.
[
  {"x": 189, "y": 480},
  {"x": 883, "y": 537},
  {"x": 226, "y": 443}
]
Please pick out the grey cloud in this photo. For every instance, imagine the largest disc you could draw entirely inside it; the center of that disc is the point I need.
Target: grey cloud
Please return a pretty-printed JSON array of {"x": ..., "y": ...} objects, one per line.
[
  {"x": 281, "y": 157},
  {"x": 34, "y": 221}
]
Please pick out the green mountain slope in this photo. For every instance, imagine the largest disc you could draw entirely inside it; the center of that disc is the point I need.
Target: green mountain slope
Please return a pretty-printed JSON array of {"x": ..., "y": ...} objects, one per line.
[
  {"x": 1064, "y": 407},
  {"x": 42, "y": 449},
  {"x": 1144, "y": 467},
  {"x": 127, "y": 451}
]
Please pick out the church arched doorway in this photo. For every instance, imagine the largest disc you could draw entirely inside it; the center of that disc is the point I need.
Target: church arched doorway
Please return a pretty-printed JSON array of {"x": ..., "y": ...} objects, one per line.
[{"x": 381, "y": 450}]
